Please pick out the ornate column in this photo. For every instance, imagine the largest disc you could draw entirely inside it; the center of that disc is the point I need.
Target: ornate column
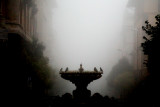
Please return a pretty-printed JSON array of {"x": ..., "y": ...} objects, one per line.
[{"x": 13, "y": 11}]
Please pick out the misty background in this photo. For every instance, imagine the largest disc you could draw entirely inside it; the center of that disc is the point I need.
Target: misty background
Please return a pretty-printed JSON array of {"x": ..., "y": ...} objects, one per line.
[{"x": 91, "y": 32}]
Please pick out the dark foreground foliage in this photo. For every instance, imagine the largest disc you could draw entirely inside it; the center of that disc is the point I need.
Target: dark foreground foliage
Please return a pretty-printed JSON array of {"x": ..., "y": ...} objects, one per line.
[
  {"x": 25, "y": 72},
  {"x": 151, "y": 46},
  {"x": 68, "y": 100},
  {"x": 147, "y": 93}
]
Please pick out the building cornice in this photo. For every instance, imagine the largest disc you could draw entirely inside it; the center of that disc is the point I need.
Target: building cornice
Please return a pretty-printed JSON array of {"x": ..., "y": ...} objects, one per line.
[{"x": 13, "y": 27}]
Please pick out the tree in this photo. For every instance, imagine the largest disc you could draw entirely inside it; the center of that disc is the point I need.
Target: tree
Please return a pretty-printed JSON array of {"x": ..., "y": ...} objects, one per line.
[
  {"x": 151, "y": 45},
  {"x": 147, "y": 92},
  {"x": 36, "y": 67},
  {"x": 121, "y": 80}
]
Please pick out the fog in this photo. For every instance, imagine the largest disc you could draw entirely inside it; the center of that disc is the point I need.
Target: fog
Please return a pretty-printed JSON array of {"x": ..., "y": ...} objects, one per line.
[{"x": 90, "y": 32}]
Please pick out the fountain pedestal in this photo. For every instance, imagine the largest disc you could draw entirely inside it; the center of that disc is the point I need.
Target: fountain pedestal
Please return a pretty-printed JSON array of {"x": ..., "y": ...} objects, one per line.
[{"x": 81, "y": 91}]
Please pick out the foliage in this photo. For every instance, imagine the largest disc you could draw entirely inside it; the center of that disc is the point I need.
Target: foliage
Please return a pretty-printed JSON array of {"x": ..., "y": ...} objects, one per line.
[
  {"x": 147, "y": 91},
  {"x": 151, "y": 44},
  {"x": 37, "y": 64},
  {"x": 122, "y": 77}
]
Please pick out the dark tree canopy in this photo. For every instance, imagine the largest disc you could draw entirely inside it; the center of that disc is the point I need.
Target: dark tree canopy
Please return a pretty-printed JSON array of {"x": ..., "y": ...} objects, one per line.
[
  {"x": 151, "y": 45},
  {"x": 121, "y": 77},
  {"x": 37, "y": 64}
]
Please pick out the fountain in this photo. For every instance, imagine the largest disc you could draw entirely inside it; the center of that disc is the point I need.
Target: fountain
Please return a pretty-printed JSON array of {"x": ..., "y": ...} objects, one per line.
[{"x": 81, "y": 79}]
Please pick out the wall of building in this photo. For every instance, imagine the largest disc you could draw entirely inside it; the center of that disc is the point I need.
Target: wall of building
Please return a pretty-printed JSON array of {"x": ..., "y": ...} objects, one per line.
[
  {"x": 18, "y": 16},
  {"x": 17, "y": 27}
]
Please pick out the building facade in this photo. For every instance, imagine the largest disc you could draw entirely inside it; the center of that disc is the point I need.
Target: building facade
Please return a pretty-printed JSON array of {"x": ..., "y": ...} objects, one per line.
[
  {"x": 17, "y": 27},
  {"x": 17, "y": 17}
]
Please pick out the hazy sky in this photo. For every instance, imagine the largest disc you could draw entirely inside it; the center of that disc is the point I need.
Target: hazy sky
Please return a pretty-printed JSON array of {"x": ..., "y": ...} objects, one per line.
[{"x": 87, "y": 32}]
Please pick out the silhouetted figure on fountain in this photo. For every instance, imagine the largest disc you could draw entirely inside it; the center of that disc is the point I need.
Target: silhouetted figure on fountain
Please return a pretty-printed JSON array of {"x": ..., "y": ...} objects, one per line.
[
  {"x": 95, "y": 69},
  {"x": 81, "y": 68},
  {"x": 101, "y": 69},
  {"x": 66, "y": 69}
]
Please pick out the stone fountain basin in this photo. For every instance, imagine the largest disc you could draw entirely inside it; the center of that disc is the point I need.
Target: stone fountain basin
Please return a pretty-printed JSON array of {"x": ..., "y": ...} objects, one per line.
[{"x": 81, "y": 77}]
